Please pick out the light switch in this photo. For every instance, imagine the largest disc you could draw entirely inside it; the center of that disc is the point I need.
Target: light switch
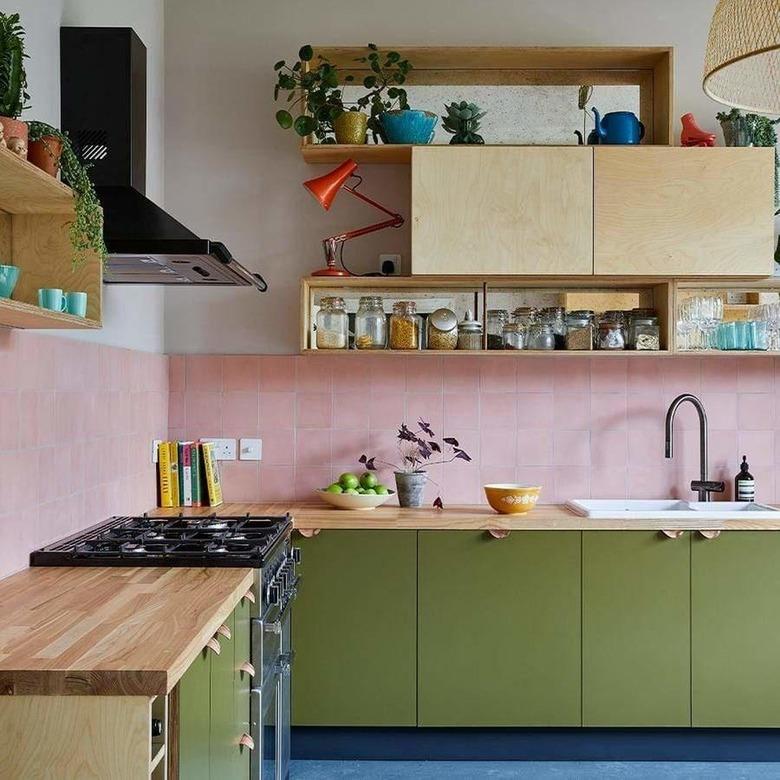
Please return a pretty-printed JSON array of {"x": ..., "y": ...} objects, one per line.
[{"x": 250, "y": 449}]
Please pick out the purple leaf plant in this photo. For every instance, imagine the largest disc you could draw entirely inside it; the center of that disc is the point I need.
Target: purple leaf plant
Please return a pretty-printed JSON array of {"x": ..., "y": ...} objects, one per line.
[{"x": 417, "y": 449}]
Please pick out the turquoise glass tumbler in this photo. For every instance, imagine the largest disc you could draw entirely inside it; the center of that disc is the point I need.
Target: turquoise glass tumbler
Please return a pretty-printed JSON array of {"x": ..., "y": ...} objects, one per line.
[{"x": 9, "y": 276}]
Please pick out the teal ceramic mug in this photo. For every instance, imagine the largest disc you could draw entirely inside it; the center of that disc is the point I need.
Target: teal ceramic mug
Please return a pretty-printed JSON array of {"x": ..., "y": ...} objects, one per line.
[
  {"x": 51, "y": 298},
  {"x": 9, "y": 276},
  {"x": 76, "y": 303}
]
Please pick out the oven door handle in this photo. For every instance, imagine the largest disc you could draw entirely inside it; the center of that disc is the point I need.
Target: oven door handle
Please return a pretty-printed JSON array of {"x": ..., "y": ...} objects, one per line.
[{"x": 275, "y": 626}]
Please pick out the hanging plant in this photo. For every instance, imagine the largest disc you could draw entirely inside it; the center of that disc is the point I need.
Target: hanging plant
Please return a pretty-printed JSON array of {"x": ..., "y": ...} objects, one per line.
[{"x": 86, "y": 230}]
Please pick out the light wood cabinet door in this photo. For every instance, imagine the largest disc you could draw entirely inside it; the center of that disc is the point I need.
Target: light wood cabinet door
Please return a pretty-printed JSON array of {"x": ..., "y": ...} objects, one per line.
[
  {"x": 502, "y": 210},
  {"x": 672, "y": 211}
]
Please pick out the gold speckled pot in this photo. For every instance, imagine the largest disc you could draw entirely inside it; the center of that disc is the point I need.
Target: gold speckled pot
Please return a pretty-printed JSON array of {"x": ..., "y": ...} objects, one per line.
[{"x": 350, "y": 127}]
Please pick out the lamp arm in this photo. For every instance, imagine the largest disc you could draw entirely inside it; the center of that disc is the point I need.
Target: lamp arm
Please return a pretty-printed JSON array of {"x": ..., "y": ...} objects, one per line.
[{"x": 353, "y": 191}]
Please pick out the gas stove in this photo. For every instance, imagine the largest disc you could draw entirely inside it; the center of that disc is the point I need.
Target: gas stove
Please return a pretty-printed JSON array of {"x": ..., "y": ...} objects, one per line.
[{"x": 164, "y": 541}]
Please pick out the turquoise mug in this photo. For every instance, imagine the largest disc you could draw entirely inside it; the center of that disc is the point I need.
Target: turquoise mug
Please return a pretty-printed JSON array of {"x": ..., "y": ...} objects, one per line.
[
  {"x": 76, "y": 303},
  {"x": 9, "y": 276},
  {"x": 51, "y": 298}
]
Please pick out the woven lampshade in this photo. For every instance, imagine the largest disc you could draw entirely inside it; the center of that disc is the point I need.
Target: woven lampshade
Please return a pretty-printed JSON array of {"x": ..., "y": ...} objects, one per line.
[{"x": 742, "y": 63}]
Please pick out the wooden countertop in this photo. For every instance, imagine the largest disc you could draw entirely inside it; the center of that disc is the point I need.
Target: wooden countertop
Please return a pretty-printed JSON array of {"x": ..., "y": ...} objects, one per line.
[
  {"x": 108, "y": 631},
  {"x": 545, "y": 517}
]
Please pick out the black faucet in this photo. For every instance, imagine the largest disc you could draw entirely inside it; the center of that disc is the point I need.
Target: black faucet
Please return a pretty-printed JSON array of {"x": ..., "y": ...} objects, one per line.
[{"x": 702, "y": 486}]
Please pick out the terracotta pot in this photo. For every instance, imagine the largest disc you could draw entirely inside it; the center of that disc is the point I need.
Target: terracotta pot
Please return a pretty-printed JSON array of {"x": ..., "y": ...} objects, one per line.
[
  {"x": 14, "y": 128},
  {"x": 350, "y": 127},
  {"x": 45, "y": 154}
]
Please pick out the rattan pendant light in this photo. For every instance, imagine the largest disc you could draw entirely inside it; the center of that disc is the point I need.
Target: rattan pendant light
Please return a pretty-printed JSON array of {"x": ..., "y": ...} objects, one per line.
[{"x": 742, "y": 63}]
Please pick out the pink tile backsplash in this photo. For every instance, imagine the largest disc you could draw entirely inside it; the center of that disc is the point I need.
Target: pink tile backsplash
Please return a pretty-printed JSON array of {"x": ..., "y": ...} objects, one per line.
[
  {"x": 585, "y": 426},
  {"x": 76, "y": 425}
]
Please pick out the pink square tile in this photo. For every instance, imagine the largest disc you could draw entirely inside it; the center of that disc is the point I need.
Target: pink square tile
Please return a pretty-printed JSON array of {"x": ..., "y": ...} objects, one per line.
[
  {"x": 350, "y": 374},
  {"x": 461, "y": 375},
  {"x": 535, "y": 374},
  {"x": 644, "y": 378},
  {"x": 203, "y": 373},
  {"x": 203, "y": 413},
  {"x": 461, "y": 484},
  {"x": 724, "y": 458},
  {"x": 176, "y": 414},
  {"x": 496, "y": 475},
  {"x": 498, "y": 410},
  {"x": 241, "y": 373},
  {"x": 680, "y": 375},
  {"x": 461, "y": 411},
  {"x": 572, "y": 375},
  {"x": 721, "y": 410},
  {"x": 719, "y": 374},
  {"x": 429, "y": 407},
  {"x": 544, "y": 476},
  {"x": 654, "y": 482},
  {"x": 755, "y": 411},
  {"x": 759, "y": 447},
  {"x": 646, "y": 412},
  {"x": 608, "y": 411},
  {"x": 535, "y": 410},
  {"x": 314, "y": 410},
  {"x": 498, "y": 374},
  {"x": 348, "y": 446},
  {"x": 497, "y": 447},
  {"x": 609, "y": 481},
  {"x": 277, "y": 373},
  {"x": 387, "y": 410},
  {"x": 277, "y": 483},
  {"x": 241, "y": 480},
  {"x": 424, "y": 374},
  {"x": 9, "y": 427},
  {"x": 609, "y": 375},
  {"x": 29, "y": 419},
  {"x": 309, "y": 479},
  {"x": 571, "y": 448},
  {"x": 571, "y": 412},
  {"x": 277, "y": 410},
  {"x": 351, "y": 411},
  {"x": 754, "y": 375},
  {"x": 609, "y": 447},
  {"x": 645, "y": 448},
  {"x": 534, "y": 447},
  {"x": 387, "y": 374},
  {"x": 572, "y": 482},
  {"x": 314, "y": 374},
  {"x": 312, "y": 447},
  {"x": 240, "y": 414}
]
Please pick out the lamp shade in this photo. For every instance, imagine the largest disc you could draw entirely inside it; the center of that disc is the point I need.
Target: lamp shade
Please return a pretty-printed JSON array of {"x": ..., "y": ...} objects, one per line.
[
  {"x": 742, "y": 62},
  {"x": 325, "y": 188}
]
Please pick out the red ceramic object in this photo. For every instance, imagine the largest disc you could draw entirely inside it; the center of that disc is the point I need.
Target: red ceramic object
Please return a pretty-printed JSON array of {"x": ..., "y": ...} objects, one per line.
[
  {"x": 45, "y": 154},
  {"x": 693, "y": 135}
]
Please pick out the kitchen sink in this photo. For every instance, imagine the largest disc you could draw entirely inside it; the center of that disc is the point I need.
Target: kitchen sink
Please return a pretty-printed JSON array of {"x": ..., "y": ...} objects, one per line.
[{"x": 640, "y": 509}]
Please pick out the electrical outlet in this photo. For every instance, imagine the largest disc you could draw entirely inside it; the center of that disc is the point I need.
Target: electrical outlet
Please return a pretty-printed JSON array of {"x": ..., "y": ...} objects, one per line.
[
  {"x": 250, "y": 449},
  {"x": 155, "y": 450},
  {"x": 394, "y": 259},
  {"x": 224, "y": 449}
]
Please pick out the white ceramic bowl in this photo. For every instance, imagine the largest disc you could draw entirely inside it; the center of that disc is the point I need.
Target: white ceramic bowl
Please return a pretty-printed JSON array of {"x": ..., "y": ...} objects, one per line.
[{"x": 352, "y": 501}]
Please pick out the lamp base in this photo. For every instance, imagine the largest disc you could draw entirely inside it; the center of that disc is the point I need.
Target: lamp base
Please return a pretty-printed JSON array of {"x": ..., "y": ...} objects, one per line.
[{"x": 331, "y": 271}]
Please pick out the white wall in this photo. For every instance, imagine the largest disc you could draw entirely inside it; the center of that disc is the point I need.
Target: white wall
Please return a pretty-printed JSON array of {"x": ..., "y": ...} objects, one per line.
[
  {"x": 233, "y": 174},
  {"x": 132, "y": 316}
]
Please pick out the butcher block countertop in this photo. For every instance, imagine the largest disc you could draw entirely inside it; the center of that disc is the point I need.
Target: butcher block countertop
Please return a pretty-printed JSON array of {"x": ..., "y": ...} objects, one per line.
[
  {"x": 545, "y": 517},
  {"x": 109, "y": 631}
]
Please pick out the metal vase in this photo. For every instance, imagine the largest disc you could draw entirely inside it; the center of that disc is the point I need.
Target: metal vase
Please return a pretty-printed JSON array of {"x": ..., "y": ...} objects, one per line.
[{"x": 411, "y": 487}]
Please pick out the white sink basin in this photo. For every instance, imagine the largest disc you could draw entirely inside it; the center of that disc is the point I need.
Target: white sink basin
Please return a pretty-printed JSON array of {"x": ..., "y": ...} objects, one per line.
[{"x": 606, "y": 509}]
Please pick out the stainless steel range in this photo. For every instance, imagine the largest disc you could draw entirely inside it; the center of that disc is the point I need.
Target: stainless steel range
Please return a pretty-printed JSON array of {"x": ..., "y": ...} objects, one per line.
[{"x": 262, "y": 543}]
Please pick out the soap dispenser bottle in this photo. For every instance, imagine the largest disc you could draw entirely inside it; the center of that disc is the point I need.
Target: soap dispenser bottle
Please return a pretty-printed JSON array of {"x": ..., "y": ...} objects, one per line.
[{"x": 744, "y": 483}]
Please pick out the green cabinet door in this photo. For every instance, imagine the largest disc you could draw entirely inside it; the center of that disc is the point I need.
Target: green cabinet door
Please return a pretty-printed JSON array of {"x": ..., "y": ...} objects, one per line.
[
  {"x": 354, "y": 630},
  {"x": 242, "y": 684},
  {"x": 735, "y": 605},
  {"x": 635, "y": 629},
  {"x": 499, "y": 629},
  {"x": 222, "y": 732},
  {"x": 195, "y": 718}
]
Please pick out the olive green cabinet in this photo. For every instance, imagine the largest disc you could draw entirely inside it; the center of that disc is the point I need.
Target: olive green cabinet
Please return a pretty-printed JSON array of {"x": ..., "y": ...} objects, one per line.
[
  {"x": 735, "y": 604},
  {"x": 635, "y": 629},
  {"x": 354, "y": 630},
  {"x": 194, "y": 708},
  {"x": 499, "y": 629}
]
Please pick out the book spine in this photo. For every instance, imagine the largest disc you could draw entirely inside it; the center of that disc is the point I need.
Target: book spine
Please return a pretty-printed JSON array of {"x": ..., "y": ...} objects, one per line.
[
  {"x": 174, "y": 455},
  {"x": 186, "y": 472},
  {"x": 196, "y": 474},
  {"x": 212, "y": 474},
  {"x": 164, "y": 471}
]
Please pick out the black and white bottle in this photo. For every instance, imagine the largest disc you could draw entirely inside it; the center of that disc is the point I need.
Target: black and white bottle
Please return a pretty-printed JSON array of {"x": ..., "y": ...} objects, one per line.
[{"x": 744, "y": 483}]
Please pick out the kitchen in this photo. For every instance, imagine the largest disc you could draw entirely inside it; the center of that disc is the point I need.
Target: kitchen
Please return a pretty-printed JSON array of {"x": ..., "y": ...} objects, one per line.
[{"x": 652, "y": 643}]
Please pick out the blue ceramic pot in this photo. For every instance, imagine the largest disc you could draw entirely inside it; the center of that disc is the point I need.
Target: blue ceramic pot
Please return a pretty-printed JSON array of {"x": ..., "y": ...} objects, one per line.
[
  {"x": 9, "y": 276},
  {"x": 409, "y": 126}
]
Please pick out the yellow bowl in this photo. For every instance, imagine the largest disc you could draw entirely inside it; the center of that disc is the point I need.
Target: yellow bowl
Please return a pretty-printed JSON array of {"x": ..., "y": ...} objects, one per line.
[{"x": 510, "y": 499}]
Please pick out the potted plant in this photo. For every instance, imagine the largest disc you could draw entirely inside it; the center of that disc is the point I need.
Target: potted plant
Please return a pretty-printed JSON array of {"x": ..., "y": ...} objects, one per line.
[
  {"x": 462, "y": 120},
  {"x": 419, "y": 449},
  {"x": 86, "y": 230},
  {"x": 13, "y": 83}
]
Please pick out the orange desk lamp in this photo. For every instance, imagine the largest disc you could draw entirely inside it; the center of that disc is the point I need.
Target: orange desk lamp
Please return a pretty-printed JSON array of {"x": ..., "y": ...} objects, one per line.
[{"x": 325, "y": 188}]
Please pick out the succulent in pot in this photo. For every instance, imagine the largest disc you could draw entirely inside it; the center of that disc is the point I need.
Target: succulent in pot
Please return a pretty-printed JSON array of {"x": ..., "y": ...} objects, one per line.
[
  {"x": 462, "y": 120},
  {"x": 13, "y": 84}
]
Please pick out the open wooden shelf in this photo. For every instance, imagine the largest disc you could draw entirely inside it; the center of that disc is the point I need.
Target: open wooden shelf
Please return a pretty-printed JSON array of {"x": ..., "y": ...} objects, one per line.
[
  {"x": 25, "y": 189},
  {"x": 17, "y": 314},
  {"x": 506, "y": 353}
]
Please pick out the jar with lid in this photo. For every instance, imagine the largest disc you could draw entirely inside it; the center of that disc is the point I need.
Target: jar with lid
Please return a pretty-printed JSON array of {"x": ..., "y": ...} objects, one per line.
[
  {"x": 540, "y": 336},
  {"x": 611, "y": 334},
  {"x": 405, "y": 326},
  {"x": 579, "y": 329},
  {"x": 332, "y": 324},
  {"x": 469, "y": 332},
  {"x": 555, "y": 317},
  {"x": 370, "y": 323},
  {"x": 524, "y": 315},
  {"x": 515, "y": 335},
  {"x": 645, "y": 333},
  {"x": 630, "y": 316},
  {"x": 442, "y": 330},
  {"x": 496, "y": 319}
]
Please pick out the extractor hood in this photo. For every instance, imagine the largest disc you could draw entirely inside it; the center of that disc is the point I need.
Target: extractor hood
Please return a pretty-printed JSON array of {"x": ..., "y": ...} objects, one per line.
[{"x": 104, "y": 113}]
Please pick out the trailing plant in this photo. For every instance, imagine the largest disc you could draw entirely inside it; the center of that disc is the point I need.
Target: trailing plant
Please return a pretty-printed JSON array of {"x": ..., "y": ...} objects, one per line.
[
  {"x": 86, "y": 230},
  {"x": 419, "y": 449},
  {"x": 462, "y": 120},
  {"x": 385, "y": 92},
  {"x": 13, "y": 79},
  {"x": 311, "y": 89}
]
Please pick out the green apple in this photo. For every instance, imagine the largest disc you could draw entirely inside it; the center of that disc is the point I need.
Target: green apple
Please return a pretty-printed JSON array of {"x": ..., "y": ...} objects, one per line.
[
  {"x": 334, "y": 488},
  {"x": 348, "y": 480},
  {"x": 351, "y": 492},
  {"x": 369, "y": 492},
  {"x": 368, "y": 480},
  {"x": 381, "y": 490}
]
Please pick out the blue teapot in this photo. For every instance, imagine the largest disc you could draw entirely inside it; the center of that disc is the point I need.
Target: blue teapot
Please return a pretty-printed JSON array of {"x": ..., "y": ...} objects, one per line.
[{"x": 618, "y": 127}]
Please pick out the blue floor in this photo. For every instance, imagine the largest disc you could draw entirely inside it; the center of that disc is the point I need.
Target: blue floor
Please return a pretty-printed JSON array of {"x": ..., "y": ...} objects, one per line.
[{"x": 530, "y": 770}]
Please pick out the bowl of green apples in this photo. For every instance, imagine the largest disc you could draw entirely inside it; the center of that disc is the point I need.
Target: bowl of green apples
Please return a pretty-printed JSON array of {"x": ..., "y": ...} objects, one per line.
[{"x": 356, "y": 492}]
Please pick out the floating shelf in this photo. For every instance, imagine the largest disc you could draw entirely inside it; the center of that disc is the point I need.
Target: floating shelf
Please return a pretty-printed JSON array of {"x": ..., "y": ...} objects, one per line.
[
  {"x": 508, "y": 354},
  {"x": 25, "y": 189},
  {"x": 17, "y": 314}
]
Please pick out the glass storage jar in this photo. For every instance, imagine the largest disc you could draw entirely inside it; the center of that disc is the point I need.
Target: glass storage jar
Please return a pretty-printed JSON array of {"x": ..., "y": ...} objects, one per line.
[
  {"x": 442, "y": 330},
  {"x": 405, "y": 326},
  {"x": 579, "y": 329},
  {"x": 644, "y": 333},
  {"x": 555, "y": 317},
  {"x": 332, "y": 324},
  {"x": 610, "y": 334},
  {"x": 469, "y": 332},
  {"x": 496, "y": 319},
  {"x": 514, "y": 335},
  {"x": 524, "y": 315},
  {"x": 370, "y": 323},
  {"x": 540, "y": 336}
]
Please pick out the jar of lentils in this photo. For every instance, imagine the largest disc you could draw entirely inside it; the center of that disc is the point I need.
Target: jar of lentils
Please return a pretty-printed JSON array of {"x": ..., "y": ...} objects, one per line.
[
  {"x": 469, "y": 332},
  {"x": 442, "y": 330},
  {"x": 332, "y": 324},
  {"x": 496, "y": 319},
  {"x": 579, "y": 329},
  {"x": 370, "y": 323},
  {"x": 405, "y": 326}
]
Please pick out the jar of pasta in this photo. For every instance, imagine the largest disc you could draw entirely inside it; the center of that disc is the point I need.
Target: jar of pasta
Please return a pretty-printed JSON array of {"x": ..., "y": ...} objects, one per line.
[
  {"x": 405, "y": 326},
  {"x": 332, "y": 324}
]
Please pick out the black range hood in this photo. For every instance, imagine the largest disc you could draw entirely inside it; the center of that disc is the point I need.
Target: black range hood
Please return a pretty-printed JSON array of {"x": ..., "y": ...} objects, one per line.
[{"x": 104, "y": 113}]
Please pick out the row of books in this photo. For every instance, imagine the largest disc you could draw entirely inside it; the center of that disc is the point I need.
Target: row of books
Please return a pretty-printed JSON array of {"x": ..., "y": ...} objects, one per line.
[{"x": 188, "y": 474}]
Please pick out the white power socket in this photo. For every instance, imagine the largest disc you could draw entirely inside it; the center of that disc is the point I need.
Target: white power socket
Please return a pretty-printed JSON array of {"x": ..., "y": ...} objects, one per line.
[
  {"x": 224, "y": 449},
  {"x": 250, "y": 449}
]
